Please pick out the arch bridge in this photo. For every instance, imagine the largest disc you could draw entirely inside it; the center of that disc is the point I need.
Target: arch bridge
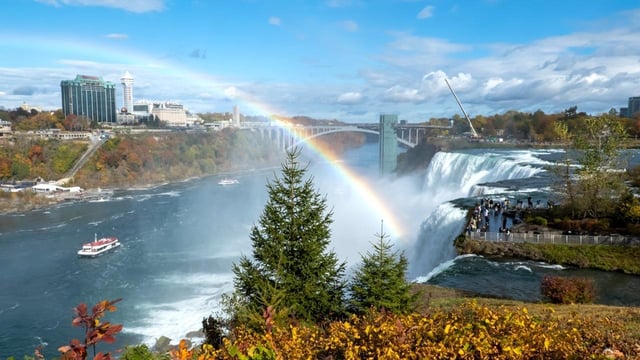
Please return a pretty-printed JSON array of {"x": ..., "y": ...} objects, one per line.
[
  {"x": 289, "y": 136},
  {"x": 390, "y": 133}
]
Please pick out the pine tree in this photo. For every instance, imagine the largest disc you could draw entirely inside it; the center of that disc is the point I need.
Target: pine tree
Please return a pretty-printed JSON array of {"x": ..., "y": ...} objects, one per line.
[
  {"x": 291, "y": 268},
  {"x": 380, "y": 281}
]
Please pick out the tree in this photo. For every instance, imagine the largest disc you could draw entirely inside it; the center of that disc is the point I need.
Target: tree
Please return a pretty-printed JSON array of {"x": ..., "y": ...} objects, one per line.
[
  {"x": 291, "y": 268},
  {"x": 380, "y": 281},
  {"x": 599, "y": 184}
]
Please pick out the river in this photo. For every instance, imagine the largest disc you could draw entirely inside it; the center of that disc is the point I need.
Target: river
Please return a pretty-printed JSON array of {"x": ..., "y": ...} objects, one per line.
[{"x": 180, "y": 241}]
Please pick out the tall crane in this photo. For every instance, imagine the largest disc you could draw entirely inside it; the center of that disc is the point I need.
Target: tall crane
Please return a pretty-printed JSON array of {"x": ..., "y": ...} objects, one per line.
[{"x": 473, "y": 131}]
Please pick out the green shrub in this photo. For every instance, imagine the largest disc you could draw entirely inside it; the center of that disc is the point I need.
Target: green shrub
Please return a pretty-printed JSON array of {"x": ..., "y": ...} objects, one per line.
[
  {"x": 539, "y": 220},
  {"x": 564, "y": 290},
  {"x": 140, "y": 352}
]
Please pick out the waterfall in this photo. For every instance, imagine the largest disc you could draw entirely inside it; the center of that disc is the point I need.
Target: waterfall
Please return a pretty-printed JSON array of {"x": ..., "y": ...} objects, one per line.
[{"x": 452, "y": 176}]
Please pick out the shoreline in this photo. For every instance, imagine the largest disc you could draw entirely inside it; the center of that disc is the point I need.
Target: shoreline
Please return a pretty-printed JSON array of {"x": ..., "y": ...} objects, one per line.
[{"x": 25, "y": 202}]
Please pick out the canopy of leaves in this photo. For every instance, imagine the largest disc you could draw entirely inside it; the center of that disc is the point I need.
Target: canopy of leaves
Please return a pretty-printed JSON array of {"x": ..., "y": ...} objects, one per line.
[
  {"x": 127, "y": 160},
  {"x": 596, "y": 186},
  {"x": 27, "y": 159}
]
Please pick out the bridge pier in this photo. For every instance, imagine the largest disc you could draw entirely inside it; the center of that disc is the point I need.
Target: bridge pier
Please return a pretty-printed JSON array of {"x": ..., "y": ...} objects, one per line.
[{"x": 388, "y": 145}]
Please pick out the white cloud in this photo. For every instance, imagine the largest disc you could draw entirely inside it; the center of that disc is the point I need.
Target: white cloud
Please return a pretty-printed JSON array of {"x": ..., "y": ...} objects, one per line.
[
  {"x": 401, "y": 94},
  {"x": 275, "y": 21},
  {"x": 426, "y": 12},
  {"x": 350, "y": 98},
  {"x": 492, "y": 83},
  {"x": 593, "y": 77},
  {"x": 350, "y": 25},
  {"x": 231, "y": 92},
  {"x": 136, "y": 6},
  {"x": 116, "y": 36}
]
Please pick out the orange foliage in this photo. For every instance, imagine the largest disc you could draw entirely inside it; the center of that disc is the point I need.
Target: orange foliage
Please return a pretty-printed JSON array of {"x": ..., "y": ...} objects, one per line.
[
  {"x": 5, "y": 168},
  {"x": 36, "y": 154},
  {"x": 95, "y": 331}
]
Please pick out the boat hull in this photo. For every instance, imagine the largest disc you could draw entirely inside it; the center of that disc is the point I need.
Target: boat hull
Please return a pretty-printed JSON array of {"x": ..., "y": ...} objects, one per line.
[
  {"x": 225, "y": 182},
  {"x": 98, "y": 247}
]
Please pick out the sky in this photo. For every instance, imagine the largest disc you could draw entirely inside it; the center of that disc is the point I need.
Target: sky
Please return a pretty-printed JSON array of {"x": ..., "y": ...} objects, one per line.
[{"x": 349, "y": 60}]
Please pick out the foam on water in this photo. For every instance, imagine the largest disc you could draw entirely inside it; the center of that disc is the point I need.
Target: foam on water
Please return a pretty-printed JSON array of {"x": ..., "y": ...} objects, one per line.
[
  {"x": 177, "y": 319},
  {"x": 441, "y": 268}
]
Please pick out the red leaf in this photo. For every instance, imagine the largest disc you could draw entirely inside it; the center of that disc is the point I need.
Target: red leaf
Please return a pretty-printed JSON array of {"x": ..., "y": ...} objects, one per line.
[{"x": 81, "y": 309}]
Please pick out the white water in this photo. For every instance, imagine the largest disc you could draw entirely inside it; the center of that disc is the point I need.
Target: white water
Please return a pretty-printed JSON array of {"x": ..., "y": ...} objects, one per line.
[{"x": 452, "y": 176}]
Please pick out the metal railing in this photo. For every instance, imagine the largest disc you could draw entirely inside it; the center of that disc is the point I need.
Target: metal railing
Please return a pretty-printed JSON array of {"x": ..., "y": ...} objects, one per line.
[{"x": 554, "y": 238}]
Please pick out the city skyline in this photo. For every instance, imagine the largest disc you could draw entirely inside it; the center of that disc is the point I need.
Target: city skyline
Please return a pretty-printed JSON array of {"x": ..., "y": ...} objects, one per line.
[{"x": 337, "y": 59}]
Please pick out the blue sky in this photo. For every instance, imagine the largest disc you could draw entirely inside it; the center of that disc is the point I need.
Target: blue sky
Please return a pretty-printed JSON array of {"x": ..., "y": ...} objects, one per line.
[{"x": 349, "y": 60}]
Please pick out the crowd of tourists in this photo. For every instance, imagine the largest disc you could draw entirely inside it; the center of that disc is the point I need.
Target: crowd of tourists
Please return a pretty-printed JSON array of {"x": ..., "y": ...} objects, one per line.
[{"x": 490, "y": 213}]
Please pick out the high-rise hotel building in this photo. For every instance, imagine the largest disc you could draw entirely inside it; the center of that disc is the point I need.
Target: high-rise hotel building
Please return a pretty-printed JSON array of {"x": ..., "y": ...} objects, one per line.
[
  {"x": 127, "y": 91},
  {"x": 91, "y": 97}
]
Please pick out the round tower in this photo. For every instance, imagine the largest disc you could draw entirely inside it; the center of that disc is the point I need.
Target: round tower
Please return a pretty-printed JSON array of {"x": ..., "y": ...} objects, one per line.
[{"x": 127, "y": 91}]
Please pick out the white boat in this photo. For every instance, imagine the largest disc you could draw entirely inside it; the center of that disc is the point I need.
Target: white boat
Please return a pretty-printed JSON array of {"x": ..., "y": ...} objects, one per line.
[
  {"x": 228, "y": 181},
  {"x": 98, "y": 246}
]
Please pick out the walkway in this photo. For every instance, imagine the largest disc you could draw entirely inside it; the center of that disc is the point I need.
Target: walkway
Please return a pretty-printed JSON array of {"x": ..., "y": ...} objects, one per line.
[
  {"x": 495, "y": 224},
  {"x": 93, "y": 146}
]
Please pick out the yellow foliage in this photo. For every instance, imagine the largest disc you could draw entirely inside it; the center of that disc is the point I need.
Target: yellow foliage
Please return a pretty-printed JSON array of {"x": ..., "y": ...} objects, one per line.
[{"x": 468, "y": 332}]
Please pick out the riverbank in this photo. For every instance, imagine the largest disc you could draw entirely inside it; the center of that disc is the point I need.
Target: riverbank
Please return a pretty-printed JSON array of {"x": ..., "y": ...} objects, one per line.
[
  {"x": 618, "y": 258},
  {"x": 25, "y": 201}
]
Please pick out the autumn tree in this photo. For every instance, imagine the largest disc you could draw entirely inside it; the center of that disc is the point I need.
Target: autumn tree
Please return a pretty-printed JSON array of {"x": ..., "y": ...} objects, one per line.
[
  {"x": 5, "y": 167},
  {"x": 291, "y": 268},
  {"x": 380, "y": 281},
  {"x": 598, "y": 184}
]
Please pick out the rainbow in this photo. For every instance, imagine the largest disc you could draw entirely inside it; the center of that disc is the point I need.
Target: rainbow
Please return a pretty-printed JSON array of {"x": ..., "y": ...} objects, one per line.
[
  {"x": 393, "y": 226},
  {"x": 98, "y": 52}
]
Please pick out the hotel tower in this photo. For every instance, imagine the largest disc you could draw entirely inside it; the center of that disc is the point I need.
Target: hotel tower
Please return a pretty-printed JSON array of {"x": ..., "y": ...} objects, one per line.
[
  {"x": 91, "y": 97},
  {"x": 127, "y": 91}
]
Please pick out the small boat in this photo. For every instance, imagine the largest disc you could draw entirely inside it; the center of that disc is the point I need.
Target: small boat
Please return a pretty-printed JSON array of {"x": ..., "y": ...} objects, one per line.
[
  {"x": 98, "y": 246},
  {"x": 227, "y": 181}
]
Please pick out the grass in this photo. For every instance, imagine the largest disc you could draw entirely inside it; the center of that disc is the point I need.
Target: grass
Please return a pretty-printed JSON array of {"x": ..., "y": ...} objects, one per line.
[{"x": 435, "y": 297}]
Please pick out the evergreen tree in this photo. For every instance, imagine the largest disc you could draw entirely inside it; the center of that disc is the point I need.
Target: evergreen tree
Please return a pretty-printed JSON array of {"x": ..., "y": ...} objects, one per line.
[
  {"x": 291, "y": 268},
  {"x": 380, "y": 281}
]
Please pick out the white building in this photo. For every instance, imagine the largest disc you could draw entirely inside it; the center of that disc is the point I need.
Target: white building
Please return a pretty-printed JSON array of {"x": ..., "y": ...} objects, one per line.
[
  {"x": 127, "y": 91},
  {"x": 5, "y": 129},
  {"x": 26, "y": 107},
  {"x": 236, "y": 115},
  {"x": 169, "y": 113},
  {"x": 53, "y": 188}
]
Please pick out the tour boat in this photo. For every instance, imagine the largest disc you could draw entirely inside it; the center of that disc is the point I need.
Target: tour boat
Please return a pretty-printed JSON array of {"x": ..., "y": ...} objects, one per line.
[
  {"x": 98, "y": 246},
  {"x": 228, "y": 182}
]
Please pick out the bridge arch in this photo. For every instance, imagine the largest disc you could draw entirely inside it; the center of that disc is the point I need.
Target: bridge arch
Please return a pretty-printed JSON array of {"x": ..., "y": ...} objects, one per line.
[{"x": 305, "y": 139}]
